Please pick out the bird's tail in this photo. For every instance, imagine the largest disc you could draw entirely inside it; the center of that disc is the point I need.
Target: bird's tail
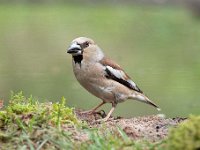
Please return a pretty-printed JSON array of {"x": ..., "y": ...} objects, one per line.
[{"x": 142, "y": 98}]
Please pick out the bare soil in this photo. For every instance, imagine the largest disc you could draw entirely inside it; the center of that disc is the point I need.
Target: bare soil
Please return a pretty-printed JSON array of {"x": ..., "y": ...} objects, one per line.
[{"x": 151, "y": 128}]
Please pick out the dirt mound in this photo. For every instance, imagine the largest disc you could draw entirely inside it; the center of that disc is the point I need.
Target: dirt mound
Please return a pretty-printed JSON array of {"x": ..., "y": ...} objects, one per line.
[{"x": 151, "y": 128}]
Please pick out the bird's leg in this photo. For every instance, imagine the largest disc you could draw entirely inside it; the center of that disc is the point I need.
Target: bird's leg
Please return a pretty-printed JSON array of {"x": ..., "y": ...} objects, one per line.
[
  {"x": 109, "y": 114},
  {"x": 91, "y": 111}
]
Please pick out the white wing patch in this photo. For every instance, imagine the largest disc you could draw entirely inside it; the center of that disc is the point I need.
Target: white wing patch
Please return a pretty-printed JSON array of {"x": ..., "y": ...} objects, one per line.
[
  {"x": 117, "y": 73},
  {"x": 121, "y": 77},
  {"x": 132, "y": 83}
]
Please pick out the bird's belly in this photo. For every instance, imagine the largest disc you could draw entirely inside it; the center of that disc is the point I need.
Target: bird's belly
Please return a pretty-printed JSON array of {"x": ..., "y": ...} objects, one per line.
[
  {"x": 91, "y": 78},
  {"x": 108, "y": 91},
  {"x": 96, "y": 83},
  {"x": 99, "y": 90}
]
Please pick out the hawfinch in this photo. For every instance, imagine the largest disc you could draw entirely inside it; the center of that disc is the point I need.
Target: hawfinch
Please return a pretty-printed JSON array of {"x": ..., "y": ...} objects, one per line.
[{"x": 101, "y": 76}]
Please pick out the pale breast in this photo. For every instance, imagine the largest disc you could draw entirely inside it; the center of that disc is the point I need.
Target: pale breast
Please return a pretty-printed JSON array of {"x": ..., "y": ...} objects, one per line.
[{"x": 91, "y": 77}]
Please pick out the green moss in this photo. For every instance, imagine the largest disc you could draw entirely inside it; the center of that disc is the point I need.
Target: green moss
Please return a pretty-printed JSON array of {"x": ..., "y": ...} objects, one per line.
[
  {"x": 30, "y": 110},
  {"x": 186, "y": 136},
  {"x": 28, "y": 124},
  {"x": 26, "y": 121}
]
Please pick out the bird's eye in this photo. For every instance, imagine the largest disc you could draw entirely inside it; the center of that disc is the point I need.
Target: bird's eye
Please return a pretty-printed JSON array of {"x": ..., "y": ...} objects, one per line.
[{"x": 87, "y": 44}]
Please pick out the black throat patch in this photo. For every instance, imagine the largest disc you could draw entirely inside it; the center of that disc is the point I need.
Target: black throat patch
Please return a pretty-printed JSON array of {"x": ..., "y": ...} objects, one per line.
[{"x": 78, "y": 59}]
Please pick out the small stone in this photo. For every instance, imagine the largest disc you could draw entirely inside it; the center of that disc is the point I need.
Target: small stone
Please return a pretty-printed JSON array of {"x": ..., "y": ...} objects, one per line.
[
  {"x": 157, "y": 127},
  {"x": 161, "y": 116}
]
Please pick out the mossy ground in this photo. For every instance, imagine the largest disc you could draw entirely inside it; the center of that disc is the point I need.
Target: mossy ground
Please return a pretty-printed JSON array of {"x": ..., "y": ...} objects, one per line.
[{"x": 25, "y": 123}]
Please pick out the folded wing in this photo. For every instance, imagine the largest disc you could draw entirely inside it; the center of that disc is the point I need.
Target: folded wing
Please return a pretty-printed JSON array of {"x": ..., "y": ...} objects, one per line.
[{"x": 113, "y": 71}]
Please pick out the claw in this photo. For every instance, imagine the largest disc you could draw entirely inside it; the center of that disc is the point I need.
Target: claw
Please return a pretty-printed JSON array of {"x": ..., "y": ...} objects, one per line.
[
  {"x": 101, "y": 113},
  {"x": 87, "y": 112}
]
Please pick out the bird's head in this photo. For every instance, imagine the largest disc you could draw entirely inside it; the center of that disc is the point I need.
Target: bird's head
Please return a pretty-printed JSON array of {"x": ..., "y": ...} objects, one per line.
[{"x": 86, "y": 48}]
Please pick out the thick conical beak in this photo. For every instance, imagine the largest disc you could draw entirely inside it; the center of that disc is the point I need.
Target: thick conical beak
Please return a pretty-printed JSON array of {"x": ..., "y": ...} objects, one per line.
[{"x": 74, "y": 48}]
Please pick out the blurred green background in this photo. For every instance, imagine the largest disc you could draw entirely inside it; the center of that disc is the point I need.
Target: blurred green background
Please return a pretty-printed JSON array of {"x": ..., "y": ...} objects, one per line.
[{"x": 157, "y": 44}]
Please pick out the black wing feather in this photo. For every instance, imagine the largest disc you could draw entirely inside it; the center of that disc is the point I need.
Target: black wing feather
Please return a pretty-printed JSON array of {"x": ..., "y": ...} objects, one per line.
[{"x": 109, "y": 75}]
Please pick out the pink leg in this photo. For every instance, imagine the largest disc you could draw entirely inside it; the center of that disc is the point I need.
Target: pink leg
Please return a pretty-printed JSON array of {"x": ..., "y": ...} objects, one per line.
[
  {"x": 109, "y": 114},
  {"x": 94, "y": 109}
]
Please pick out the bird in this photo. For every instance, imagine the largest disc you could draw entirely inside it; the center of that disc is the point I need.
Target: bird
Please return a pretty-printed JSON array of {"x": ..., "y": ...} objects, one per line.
[{"x": 103, "y": 77}]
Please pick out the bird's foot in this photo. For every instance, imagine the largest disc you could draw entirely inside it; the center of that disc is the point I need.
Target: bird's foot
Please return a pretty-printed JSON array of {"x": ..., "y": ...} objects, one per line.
[
  {"x": 101, "y": 113},
  {"x": 103, "y": 120},
  {"x": 88, "y": 112}
]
